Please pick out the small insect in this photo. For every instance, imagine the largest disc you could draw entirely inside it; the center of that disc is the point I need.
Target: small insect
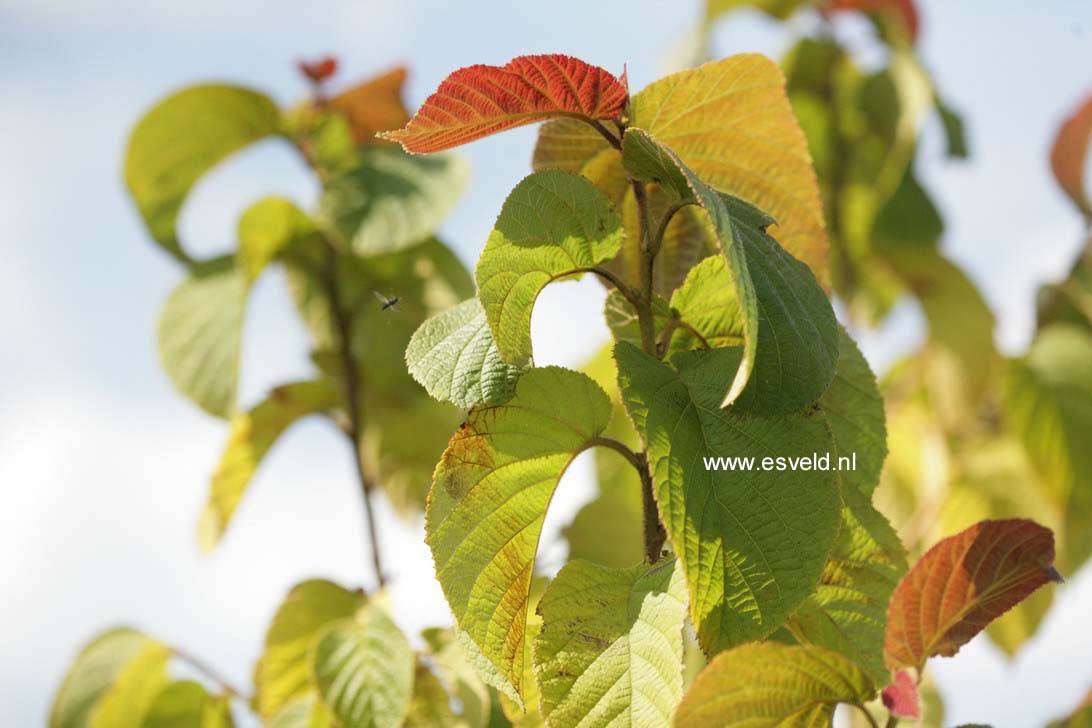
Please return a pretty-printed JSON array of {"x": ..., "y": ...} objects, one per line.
[{"x": 386, "y": 302}]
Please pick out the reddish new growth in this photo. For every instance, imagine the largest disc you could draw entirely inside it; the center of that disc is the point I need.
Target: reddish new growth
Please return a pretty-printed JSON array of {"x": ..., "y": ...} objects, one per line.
[
  {"x": 479, "y": 100},
  {"x": 901, "y": 697},
  {"x": 319, "y": 70},
  {"x": 904, "y": 10}
]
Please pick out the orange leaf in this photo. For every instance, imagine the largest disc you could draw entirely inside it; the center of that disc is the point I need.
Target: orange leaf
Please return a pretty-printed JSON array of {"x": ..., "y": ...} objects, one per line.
[
  {"x": 477, "y": 101},
  {"x": 905, "y": 10},
  {"x": 962, "y": 584},
  {"x": 373, "y": 106},
  {"x": 1069, "y": 153}
]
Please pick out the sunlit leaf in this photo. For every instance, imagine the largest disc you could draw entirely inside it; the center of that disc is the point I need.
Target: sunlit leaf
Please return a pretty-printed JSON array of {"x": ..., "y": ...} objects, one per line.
[
  {"x": 854, "y": 411},
  {"x": 770, "y": 684},
  {"x": 390, "y": 200},
  {"x": 752, "y": 544},
  {"x": 1069, "y": 153},
  {"x": 200, "y": 335},
  {"x": 181, "y": 138},
  {"x": 94, "y": 670},
  {"x": 553, "y": 225},
  {"x": 488, "y": 501},
  {"x": 848, "y": 611},
  {"x": 962, "y": 584},
  {"x": 786, "y": 322},
  {"x": 266, "y": 230},
  {"x": 610, "y": 649},
  {"x": 304, "y": 712},
  {"x": 363, "y": 669},
  {"x": 187, "y": 704},
  {"x": 453, "y": 356},
  {"x": 283, "y": 674},
  {"x": 480, "y": 100},
  {"x": 134, "y": 688},
  {"x": 252, "y": 435},
  {"x": 731, "y": 123},
  {"x": 373, "y": 106}
]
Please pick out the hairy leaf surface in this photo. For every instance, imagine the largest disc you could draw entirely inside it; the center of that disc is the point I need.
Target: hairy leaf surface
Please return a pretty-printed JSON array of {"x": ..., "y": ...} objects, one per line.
[
  {"x": 553, "y": 225},
  {"x": 391, "y": 200},
  {"x": 488, "y": 501},
  {"x": 770, "y": 684},
  {"x": 283, "y": 673},
  {"x": 252, "y": 435},
  {"x": 363, "y": 668},
  {"x": 752, "y": 544},
  {"x": 480, "y": 100},
  {"x": 453, "y": 356},
  {"x": 962, "y": 584},
  {"x": 610, "y": 649},
  {"x": 181, "y": 138}
]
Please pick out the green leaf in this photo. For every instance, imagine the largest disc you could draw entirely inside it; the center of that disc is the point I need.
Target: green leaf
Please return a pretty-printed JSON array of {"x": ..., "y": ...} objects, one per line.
[
  {"x": 303, "y": 712},
  {"x": 453, "y": 356},
  {"x": 770, "y": 684},
  {"x": 95, "y": 669},
  {"x": 790, "y": 335},
  {"x": 707, "y": 305},
  {"x": 848, "y": 612},
  {"x": 252, "y": 435},
  {"x": 268, "y": 228},
  {"x": 752, "y": 544},
  {"x": 488, "y": 501},
  {"x": 363, "y": 669},
  {"x": 854, "y": 410},
  {"x": 200, "y": 335},
  {"x": 181, "y": 138},
  {"x": 699, "y": 114},
  {"x": 133, "y": 690},
  {"x": 610, "y": 649},
  {"x": 392, "y": 200},
  {"x": 283, "y": 673},
  {"x": 187, "y": 704},
  {"x": 1048, "y": 403},
  {"x": 553, "y": 225}
]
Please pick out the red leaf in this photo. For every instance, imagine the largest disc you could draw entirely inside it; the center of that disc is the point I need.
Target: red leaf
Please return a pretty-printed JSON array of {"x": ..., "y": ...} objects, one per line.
[
  {"x": 905, "y": 10},
  {"x": 964, "y": 583},
  {"x": 373, "y": 106},
  {"x": 901, "y": 697},
  {"x": 1068, "y": 155},
  {"x": 477, "y": 101},
  {"x": 319, "y": 70}
]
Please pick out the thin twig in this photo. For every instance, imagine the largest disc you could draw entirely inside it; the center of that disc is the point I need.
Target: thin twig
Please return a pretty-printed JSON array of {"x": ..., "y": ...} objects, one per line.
[
  {"x": 867, "y": 715},
  {"x": 355, "y": 427},
  {"x": 209, "y": 673}
]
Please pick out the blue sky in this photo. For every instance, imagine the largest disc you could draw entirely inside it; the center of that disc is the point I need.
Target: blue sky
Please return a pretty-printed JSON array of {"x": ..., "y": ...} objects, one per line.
[{"x": 103, "y": 467}]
